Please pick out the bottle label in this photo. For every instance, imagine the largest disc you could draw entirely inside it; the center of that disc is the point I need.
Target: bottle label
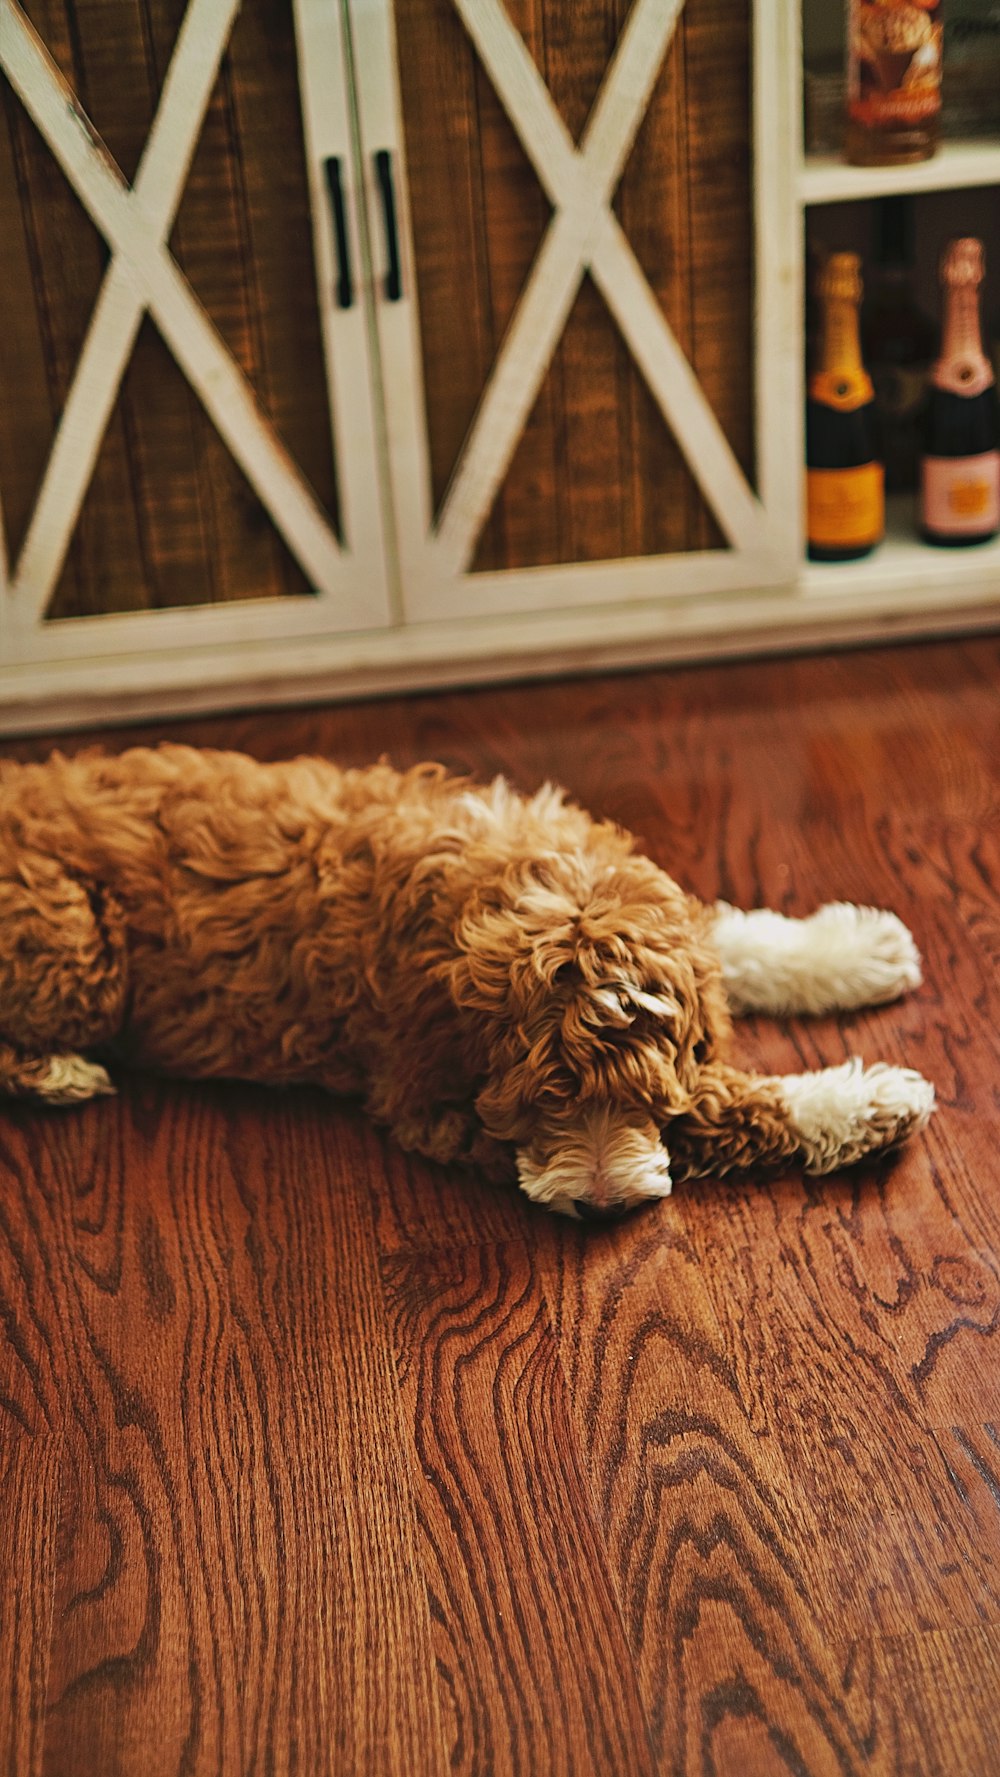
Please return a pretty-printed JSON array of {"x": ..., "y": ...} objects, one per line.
[
  {"x": 960, "y": 496},
  {"x": 845, "y": 508},
  {"x": 894, "y": 61}
]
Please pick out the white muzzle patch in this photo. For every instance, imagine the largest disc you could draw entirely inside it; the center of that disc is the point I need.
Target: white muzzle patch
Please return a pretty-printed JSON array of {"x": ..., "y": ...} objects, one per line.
[{"x": 605, "y": 1161}]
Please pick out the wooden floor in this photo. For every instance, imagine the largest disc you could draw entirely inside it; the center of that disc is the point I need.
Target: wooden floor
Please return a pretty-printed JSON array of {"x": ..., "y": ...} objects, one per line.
[{"x": 315, "y": 1459}]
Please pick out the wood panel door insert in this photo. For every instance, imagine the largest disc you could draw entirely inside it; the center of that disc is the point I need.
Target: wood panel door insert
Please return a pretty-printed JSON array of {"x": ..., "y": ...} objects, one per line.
[
  {"x": 575, "y": 409},
  {"x": 188, "y": 429}
]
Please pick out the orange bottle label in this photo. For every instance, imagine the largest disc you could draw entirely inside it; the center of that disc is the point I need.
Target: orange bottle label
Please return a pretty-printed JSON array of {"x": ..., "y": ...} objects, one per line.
[
  {"x": 845, "y": 508},
  {"x": 894, "y": 61}
]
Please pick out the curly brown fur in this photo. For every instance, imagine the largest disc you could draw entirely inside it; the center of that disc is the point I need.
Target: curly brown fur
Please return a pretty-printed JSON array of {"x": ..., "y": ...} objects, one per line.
[
  {"x": 736, "y": 1120},
  {"x": 495, "y": 975}
]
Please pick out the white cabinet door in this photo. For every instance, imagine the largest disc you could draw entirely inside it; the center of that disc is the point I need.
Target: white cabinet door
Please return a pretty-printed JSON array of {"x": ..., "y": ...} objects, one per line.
[
  {"x": 178, "y": 198},
  {"x": 587, "y": 351}
]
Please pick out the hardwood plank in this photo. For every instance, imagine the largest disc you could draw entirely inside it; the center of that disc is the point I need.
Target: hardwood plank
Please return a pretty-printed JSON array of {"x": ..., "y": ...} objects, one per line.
[
  {"x": 419, "y": 1207},
  {"x": 237, "y": 1545},
  {"x": 972, "y": 1454},
  {"x": 946, "y": 1701},
  {"x": 533, "y": 1665},
  {"x": 737, "y": 1667},
  {"x": 29, "y": 1493},
  {"x": 740, "y": 1453}
]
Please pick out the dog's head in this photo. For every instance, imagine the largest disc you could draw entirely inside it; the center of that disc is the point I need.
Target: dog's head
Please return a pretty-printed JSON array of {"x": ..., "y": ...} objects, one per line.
[{"x": 596, "y": 1008}]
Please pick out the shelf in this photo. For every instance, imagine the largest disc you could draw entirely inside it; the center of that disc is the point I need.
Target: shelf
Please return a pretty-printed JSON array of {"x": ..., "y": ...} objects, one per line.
[
  {"x": 903, "y": 560},
  {"x": 825, "y": 179}
]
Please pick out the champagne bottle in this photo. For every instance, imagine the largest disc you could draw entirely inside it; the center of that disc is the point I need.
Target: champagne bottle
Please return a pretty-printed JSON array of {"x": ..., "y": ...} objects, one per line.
[
  {"x": 893, "y": 80},
  {"x": 845, "y": 499},
  {"x": 899, "y": 344},
  {"x": 960, "y": 468}
]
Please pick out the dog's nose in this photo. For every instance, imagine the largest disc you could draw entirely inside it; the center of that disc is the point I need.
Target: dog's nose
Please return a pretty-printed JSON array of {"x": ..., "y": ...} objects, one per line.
[{"x": 593, "y": 1212}]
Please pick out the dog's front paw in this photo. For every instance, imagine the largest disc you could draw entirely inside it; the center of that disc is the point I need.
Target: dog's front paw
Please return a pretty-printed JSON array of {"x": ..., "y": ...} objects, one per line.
[{"x": 843, "y": 1113}]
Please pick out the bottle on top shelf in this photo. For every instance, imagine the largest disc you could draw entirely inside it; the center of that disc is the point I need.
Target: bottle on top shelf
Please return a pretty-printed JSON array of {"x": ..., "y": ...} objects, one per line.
[
  {"x": 960, "y": 466},
  {"x": 893, "y": 81},
  {"x": 845, "y": 499},
  {"x": 899, "y": 344}
]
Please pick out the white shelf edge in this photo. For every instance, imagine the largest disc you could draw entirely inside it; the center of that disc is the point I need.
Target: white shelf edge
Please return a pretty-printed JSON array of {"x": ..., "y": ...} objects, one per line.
[
  {"x": 843, "y": 606},
  {"x": 826, "y": 179}
]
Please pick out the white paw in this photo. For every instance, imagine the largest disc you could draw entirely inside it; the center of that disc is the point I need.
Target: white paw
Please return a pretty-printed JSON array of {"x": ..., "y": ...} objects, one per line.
[
  {"x": 838, "y": 959},
  {"x": 868, "y": 953},
  {"x": 843, "y": 1113},
  {"x": 72, "y": 1078}
]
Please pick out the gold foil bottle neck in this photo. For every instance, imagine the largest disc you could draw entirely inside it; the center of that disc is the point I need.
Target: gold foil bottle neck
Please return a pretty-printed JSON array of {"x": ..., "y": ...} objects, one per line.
[{"x": 839, "y": 278}]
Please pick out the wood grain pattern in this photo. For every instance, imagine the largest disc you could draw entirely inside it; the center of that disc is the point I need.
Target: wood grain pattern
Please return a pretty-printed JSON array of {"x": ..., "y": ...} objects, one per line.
[
  {"x": 220, "y": 1602},
  {"x": 316, "y": 1458},
  {"x": 29, "y": 1497},
  {"x": 532, "y": 1659},
  {"x": 596, "y": 473},
  {"x": 168, "y": 518}
]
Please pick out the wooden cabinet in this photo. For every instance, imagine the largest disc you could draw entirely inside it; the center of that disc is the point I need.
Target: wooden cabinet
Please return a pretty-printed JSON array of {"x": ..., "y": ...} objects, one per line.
[
  {"x": 381, "y": 344},
  {"x": 570, "y": 397},
  {"x": 188, "y": 455}
]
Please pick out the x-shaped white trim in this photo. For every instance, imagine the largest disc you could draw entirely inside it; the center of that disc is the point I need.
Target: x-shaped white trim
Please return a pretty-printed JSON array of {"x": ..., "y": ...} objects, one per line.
[
  {"x": 583, "y": 234},
  {"x": 141, "y": 276}
]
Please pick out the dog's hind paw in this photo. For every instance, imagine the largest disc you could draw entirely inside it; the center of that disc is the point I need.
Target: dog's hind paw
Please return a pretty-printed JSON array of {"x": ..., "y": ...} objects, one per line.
[
  {"x": 70, "y": 1079},
  {"x": 840, "y": 958},
  {"x": 840, "y": 1114},
  {"x": 871, "y": 954}
]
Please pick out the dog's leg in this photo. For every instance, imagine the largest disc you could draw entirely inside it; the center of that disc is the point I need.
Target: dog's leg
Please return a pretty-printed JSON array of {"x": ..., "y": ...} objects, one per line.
[
  {"x": 824, "y": 1120},
  {"x": 62, "y": 984},
  {"x": 840, "y": 958}
]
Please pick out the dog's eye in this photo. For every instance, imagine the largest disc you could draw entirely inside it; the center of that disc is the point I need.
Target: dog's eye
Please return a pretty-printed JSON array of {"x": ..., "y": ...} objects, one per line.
[{"x": 568, "y": 976}]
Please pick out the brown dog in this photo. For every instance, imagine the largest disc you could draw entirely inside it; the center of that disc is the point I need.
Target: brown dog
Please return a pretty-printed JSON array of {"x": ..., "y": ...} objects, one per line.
[{"x": 499, "y": 978}]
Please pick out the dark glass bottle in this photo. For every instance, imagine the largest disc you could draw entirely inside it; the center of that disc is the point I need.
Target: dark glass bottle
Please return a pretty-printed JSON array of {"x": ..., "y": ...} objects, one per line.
[
  {"x": 899, "y": 345},
  {"x": 960, "y": 466},
  {"x": 845, "y": 501}
]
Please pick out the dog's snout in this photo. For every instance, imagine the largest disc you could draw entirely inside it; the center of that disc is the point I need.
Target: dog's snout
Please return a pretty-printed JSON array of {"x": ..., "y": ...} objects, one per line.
[{"x": 599, "y": 1212}]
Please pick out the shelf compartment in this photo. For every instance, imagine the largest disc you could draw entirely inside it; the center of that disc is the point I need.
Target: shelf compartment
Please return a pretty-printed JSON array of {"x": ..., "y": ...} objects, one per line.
[
  {"x": 826, "y": 179},
  {"x": 903, "y": 559}
]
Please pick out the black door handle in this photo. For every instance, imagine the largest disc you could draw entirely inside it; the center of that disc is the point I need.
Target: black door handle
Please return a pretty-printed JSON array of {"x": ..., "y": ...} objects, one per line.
[
  {"x": 344, "y": 286},
  {"x": 393, "y": 286}
]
